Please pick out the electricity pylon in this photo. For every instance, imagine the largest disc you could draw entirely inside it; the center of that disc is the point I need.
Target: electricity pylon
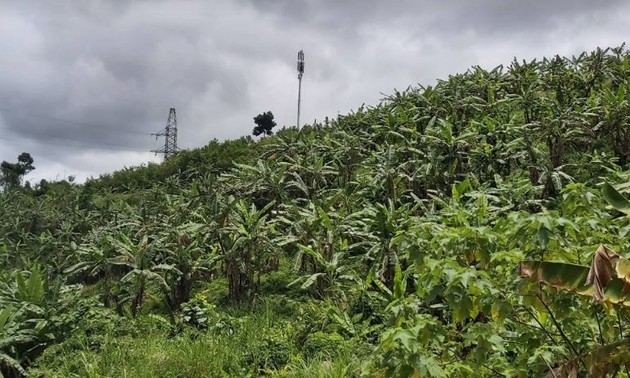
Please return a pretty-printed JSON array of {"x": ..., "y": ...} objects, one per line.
[
  {"x": 170, "y": 137},
  {"x": 300, "y": 69}
]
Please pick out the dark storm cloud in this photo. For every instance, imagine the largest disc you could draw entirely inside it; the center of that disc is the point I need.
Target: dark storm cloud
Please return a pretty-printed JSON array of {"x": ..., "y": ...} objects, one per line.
[
  {"x": 84, "y": 81},
  {"x": 113, "y": 69},
  {"x": 492, "y": 16},
  {"x": 500, "y": 18}
]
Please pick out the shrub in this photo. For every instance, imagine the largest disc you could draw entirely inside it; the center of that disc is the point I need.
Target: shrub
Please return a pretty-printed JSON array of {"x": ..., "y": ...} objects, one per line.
[
  {"x": 197, "y": 313},
  {"x": 321, "y": 344},
  {"x": 271, "y": 352}
]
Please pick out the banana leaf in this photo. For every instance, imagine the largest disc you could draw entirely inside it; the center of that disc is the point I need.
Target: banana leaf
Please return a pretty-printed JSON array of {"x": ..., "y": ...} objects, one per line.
[
  {"x": 600, "y": 362},
  {"x": 616, "y": 199},
  {"x": 606, "y": 280}
]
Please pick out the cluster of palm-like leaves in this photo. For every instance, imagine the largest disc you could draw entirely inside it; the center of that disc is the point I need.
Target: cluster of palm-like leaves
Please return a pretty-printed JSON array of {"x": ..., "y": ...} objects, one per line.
[{"x": 420, "y": 206}]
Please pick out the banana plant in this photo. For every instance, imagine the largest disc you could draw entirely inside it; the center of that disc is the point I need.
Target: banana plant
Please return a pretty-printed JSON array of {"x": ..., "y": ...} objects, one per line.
[
  {"x": 25, "y": 327},
  {"x": 189, "y": 256},
  {"x": 28, "y": 288},
  {"x": 615, "y": 109},
  {"x": 94, "y": 264},
  {"x": 333, "y": 270},
  {"x": 137, "y": 260},
  {"x": 322, "y": 251},
  {"x": 384, "y": 224},
  {"x": 264, "y": 181},
  {"x": 246, "y": 246},
  {"x": 11, "y": 338}
]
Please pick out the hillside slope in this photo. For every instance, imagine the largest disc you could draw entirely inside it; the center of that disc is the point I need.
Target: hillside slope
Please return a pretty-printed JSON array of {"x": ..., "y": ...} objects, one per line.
[{"x": 382, "y": 244}]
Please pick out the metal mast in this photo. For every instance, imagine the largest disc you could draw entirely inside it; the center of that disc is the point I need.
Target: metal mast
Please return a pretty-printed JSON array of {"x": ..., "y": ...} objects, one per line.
[
  {"x": 300, "y": 69},
  {"x": 170, "y": 136}
]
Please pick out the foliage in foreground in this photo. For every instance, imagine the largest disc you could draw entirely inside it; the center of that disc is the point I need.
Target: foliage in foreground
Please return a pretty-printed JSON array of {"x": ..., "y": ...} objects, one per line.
[{"x": 383, "y": 244}]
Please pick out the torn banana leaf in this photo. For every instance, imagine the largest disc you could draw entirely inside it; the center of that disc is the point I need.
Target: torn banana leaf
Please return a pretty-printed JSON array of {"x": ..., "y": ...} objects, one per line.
[{"x": 606, "y": 280}]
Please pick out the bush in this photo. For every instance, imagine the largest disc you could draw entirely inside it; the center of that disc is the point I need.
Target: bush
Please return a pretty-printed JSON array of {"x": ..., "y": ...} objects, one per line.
[
  {"x": 271, "y": 352},
  {"x": 203, "y": 316},
  {"x": 321, "y": 344},
  {"x": 197, "y": 313}
]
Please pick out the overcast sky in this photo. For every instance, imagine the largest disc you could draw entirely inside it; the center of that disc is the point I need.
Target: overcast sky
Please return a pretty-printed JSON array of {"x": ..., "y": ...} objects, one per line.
[{"x": 84, "y": 82}]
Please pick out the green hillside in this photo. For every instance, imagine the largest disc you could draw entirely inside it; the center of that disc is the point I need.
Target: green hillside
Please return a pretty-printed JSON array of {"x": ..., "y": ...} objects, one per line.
[{"x": 446, "y": 232}]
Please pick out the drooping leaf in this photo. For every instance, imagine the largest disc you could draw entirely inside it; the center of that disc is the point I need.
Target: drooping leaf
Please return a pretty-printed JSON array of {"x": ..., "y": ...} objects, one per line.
[
  {"x": 615, "y": 199},
  {"x": 599, "y": 362},
  {"x": 605, "y": 280},
  {"x": 565, "y": 276},
  {"x": 13, "y": 363},
  {"x": 602, "y": 270},
  {"x": 310, "y": 280}
]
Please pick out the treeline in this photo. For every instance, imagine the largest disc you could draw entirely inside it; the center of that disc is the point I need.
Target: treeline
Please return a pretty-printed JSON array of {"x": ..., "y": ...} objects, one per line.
[{"x": 214, "y": 158}]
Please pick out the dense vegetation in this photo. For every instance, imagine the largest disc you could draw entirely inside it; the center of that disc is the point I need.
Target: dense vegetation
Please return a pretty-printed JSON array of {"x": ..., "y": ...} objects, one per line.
[{"x": 385, "y": 243}]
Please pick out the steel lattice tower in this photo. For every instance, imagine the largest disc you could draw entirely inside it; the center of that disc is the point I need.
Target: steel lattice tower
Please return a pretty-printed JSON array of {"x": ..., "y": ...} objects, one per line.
[
  {"x": 170, "y": 136},
  {"x": 300, "y": 69}
]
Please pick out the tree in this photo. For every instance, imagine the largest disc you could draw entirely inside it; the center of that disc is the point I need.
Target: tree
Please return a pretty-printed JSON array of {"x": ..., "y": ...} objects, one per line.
[
  {"x": 264, "y": 124},
  {"x": 12, "y": 173}
]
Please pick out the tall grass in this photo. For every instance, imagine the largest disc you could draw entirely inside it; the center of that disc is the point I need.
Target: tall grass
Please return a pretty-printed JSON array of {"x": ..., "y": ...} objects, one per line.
[{"x": 245, "y": 342}]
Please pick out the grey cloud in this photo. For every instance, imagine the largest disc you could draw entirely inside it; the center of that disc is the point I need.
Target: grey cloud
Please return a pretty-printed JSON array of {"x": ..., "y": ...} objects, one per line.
[
  {"x": 459, "y": 24},
  {"x": 113, "y": 68},
  {"x": 105, "y": 74}
]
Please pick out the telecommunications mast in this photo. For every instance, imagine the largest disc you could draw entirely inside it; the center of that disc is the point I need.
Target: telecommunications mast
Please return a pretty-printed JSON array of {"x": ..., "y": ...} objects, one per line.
[
  {"x": 300, "y": 69},
  {"x": 170, "y": 136}
]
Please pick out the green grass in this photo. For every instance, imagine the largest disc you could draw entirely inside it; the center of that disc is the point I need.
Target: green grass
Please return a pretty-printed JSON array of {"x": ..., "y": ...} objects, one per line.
[
  {"x": 150, "y": 356},
  {"x": 240, "y": 342},
  {"x": 206, "y": 356},
  {"x": 342, "y": 365}
]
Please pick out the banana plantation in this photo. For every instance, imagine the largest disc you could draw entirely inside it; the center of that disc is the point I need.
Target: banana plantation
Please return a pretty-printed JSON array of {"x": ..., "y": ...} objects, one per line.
[{"x": 474, "y": 228}]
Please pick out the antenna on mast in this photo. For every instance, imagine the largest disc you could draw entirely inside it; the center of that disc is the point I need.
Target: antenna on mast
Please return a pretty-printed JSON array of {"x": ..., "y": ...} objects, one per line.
[{"x": 300, "y": 69}]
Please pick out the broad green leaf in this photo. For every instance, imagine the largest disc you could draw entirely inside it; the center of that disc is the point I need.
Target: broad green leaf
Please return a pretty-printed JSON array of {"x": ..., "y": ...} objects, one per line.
[
  {"x": 4, "y": 316},
  {"x": 310, "y": 280},
  {"x": 406, "y": 339},
  {"x": 324, "y": 217},
  {"x": 615, "y": 199},
  {"x": 35, "y": 286},
  {"x": 565, "y": 276}
]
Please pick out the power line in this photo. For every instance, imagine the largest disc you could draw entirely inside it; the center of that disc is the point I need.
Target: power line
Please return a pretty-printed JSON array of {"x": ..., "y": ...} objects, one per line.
[
  {"x": 47, "y": 140},
  {"x": 63, "y": 138},
  {"x": 100, "y": 147},
  {"x": 70, "y": 122},
  {"x": 169, "y": 132},
  {"x": 52, "y": 141}
]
